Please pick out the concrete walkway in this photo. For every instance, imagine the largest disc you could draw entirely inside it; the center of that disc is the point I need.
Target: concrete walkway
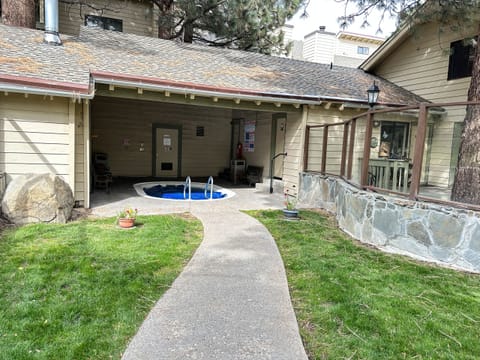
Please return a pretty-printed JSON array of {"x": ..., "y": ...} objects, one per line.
[{"x": 232, "y": 300}]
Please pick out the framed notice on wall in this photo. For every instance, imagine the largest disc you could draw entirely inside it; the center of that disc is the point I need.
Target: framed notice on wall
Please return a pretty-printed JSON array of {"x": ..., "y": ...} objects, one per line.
[{"x": 249, "y": 138}]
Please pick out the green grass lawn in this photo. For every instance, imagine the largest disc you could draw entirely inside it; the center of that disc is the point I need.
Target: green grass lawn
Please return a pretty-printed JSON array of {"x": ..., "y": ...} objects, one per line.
[
  {"x": 354, "y": 302},
  {"x": 81, "y": 290}
]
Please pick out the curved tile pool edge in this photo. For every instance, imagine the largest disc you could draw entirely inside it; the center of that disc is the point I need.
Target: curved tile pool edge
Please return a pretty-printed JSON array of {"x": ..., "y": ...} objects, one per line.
[{"x": 139, "y": 189}]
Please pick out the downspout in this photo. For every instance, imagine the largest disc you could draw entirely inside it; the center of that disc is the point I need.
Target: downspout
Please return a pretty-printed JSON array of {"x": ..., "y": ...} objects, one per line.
[{"x": 51, "y": 23}]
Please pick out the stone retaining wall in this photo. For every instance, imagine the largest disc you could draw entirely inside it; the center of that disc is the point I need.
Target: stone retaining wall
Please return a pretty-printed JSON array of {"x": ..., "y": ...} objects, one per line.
[{"x": 422, "y": 230}]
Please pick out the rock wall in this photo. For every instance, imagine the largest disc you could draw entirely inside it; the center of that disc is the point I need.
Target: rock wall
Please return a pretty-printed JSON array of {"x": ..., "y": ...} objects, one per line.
[{"x": 422, "y": 230}]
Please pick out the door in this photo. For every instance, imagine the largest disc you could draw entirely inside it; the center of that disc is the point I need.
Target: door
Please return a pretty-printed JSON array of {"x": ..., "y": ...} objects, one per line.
[
  {"x": 279, "y": 124},
  {"x": 167, "y": 152}
]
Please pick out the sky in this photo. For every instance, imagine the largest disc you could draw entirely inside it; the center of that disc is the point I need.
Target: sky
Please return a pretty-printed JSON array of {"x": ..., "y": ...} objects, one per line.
[{"x": 326, "y": 12}]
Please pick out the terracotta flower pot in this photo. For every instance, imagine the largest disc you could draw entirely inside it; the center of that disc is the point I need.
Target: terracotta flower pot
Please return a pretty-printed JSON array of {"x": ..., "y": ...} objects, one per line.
[{"x": 126, "y": 222}]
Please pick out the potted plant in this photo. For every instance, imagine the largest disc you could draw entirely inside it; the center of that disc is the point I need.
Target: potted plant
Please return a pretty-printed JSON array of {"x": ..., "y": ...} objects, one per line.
[
  {"x": 290, "y": 211},
  {"x": 126, "y": 217}
]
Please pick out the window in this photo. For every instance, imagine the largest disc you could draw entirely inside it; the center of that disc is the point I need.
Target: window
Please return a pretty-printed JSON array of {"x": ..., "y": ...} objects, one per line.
[
  {"x": 461, "y": 58},
  {"x": 394, "y": 140},
  {"x": 200, "y": 131},
  {"x": 104, "y": 23},
  {"x": 362, "y": 50}
]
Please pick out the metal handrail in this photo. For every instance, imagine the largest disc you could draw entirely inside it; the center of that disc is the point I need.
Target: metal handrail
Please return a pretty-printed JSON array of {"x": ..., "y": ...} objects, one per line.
[
  {"x": 188, "y": 182},
  {"x": 209, "y": 182}
]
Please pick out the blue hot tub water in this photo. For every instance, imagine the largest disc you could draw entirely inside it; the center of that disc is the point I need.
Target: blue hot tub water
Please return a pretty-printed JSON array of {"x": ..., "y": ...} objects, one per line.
[{"x": 175, "y": 192}]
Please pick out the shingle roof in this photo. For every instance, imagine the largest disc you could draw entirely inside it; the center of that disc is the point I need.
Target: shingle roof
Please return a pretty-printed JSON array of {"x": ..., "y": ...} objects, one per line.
[{"x": 24, "y": 55}]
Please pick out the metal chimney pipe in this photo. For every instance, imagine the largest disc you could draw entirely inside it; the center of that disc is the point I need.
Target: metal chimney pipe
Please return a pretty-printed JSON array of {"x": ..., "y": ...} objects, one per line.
[{"x": 51, "y": 23}]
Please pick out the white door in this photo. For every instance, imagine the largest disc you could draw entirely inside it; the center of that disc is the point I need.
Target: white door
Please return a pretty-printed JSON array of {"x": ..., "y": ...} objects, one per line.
[
  {"x": 280, "y": 129},
  {"x": 166, "y": 163}
]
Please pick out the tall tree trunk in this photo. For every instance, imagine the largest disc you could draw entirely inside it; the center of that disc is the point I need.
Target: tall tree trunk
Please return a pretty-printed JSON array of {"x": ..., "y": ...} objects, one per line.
[
  {"x": 188, "y": 32},
  {"x": 19, "y": 13},
  {"x": 165, "y": 19},
  {"x": 466, "y": 187}
]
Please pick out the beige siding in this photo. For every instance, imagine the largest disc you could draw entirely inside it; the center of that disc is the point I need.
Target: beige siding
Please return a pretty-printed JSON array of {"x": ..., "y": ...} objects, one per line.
[
  {"x": 294, "y": 139},
  {"x": 118, "y": 122},
  {"x": 34, "y": 136},
  {"x": 79, "y": 155},
  {"x": 420, "y": 65},
  {"x": 137, "y": 16},
  {"x": 319, "y": 116}
]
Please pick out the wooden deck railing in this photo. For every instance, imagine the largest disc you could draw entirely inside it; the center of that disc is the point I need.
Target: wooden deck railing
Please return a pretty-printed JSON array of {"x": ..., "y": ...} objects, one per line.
[{"x": 402, "y": 178}]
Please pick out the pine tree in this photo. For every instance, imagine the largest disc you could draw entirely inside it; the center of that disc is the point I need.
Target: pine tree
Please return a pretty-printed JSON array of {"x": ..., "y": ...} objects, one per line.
[
  {"x": 452, "y": 15},
  {"x": 243, "y": 24}
]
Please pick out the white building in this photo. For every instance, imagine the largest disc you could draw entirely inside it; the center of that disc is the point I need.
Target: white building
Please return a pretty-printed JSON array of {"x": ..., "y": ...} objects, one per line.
[{"x": 343, "y": 48}]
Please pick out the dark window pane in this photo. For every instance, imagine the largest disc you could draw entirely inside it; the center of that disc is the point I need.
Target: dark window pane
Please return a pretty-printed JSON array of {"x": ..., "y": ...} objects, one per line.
[
  {"x": 461, "y": 58},
  {"x": 103, "y": 23}
]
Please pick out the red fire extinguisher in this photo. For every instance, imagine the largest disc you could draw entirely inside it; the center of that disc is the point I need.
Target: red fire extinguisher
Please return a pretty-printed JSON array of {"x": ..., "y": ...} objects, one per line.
[{"x": 239, "y": 151}]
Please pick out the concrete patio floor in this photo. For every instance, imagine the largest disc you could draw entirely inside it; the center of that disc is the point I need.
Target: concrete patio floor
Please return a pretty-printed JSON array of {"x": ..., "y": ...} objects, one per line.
[{"x": 231, "y": 301}]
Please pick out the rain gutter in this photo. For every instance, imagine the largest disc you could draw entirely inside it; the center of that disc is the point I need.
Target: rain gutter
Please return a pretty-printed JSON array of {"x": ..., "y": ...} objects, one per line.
[
  {"x": 20, "y": 84},
  {"x": 147, "y": 83}
]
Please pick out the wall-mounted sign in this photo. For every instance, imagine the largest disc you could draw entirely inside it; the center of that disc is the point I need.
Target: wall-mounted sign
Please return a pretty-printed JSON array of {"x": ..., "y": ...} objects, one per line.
[{"x": 249, "y": 138}]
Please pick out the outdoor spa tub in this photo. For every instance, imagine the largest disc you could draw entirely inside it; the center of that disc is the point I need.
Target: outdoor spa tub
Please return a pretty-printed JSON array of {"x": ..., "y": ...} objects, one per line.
[{"x": 176, "y": 191}]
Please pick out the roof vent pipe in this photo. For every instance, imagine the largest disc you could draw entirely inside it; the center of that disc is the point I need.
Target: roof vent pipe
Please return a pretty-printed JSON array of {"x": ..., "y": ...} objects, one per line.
[{"x": 51, "y": 23}]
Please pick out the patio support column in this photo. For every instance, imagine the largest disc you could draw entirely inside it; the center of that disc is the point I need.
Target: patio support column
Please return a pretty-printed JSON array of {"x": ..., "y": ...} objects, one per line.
[
  {"x": 418, "y": 152},
  {"x": 366, "y": 149},
  {"x": 351, "y": 148},
  {"x": 86, "y": 150},
  {"x": 344, "y": 150},
  {"x": 324, "y": 149},
  {"x": 306, "y": 148}
]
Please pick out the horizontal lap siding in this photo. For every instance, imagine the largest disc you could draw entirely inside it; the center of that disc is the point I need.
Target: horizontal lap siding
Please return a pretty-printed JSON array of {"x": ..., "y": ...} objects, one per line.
[
  {"x": 34, "y": 136},
  {"x": 321, "y": 116},
  {"x": 137, "y": 16},
  {"x": 420, "y": 65},
  {"x": 294, "y": 148},
  {"x": 79, "y": 155},
  {"x": 116, "y": 121}
]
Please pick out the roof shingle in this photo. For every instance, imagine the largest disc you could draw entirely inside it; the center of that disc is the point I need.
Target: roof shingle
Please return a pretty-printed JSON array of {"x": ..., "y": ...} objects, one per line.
[{"x": 23, "y": 54}]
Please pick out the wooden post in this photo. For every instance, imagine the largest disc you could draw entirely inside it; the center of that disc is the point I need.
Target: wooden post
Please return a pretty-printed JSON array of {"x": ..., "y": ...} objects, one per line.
[
  {"x": 366, "y": 149},
  {"x": 324, "y": 149},
  {"x": 351, "y": 147},
  {"x": 344, "y": 150},
  {"x": 418, "y": 152},
  {"x": 306, "y": 148}
]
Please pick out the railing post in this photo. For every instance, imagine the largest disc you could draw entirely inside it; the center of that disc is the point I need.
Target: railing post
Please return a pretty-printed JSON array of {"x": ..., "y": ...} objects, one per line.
[
  {"x": 351, "y": 147},
  {"x": 344, "y": 150},
  {"x": 324, "y": 150},
  {"x": 306, "y": 148},
  {"x": 366, "y": 149},
  {"x": 418, "y": 152}
]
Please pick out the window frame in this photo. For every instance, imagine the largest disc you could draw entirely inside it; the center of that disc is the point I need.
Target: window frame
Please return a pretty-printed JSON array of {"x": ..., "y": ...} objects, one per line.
[
  {"x": 363, "y": 50},
  {"x": 105, "y": 22},
  {"x": 460, "y": 60}
]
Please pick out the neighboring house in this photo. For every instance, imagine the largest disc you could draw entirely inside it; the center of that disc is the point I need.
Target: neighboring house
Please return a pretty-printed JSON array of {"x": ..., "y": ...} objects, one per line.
[
  {"x": 436, "y": 66},
  {"x": 130, "y": 16},
  {"x": 161, "y": 108},
  {"x": 343, "y": 48}
]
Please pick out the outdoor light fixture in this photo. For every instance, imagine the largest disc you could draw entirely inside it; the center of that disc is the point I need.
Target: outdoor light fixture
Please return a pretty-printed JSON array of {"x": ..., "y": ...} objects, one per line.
[{"x": 373, "y": 92}]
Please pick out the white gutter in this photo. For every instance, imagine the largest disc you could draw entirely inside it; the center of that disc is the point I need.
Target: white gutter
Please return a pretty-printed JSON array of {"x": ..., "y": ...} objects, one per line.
[
  {"x": 283, "y": 98},
  {"x": 45, "y": 92}
]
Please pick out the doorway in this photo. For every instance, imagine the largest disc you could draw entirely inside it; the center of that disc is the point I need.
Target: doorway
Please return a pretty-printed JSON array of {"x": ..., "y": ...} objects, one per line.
[
  {"x": 166, "y": 151},
  {"x": 279, "y": 125}
]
